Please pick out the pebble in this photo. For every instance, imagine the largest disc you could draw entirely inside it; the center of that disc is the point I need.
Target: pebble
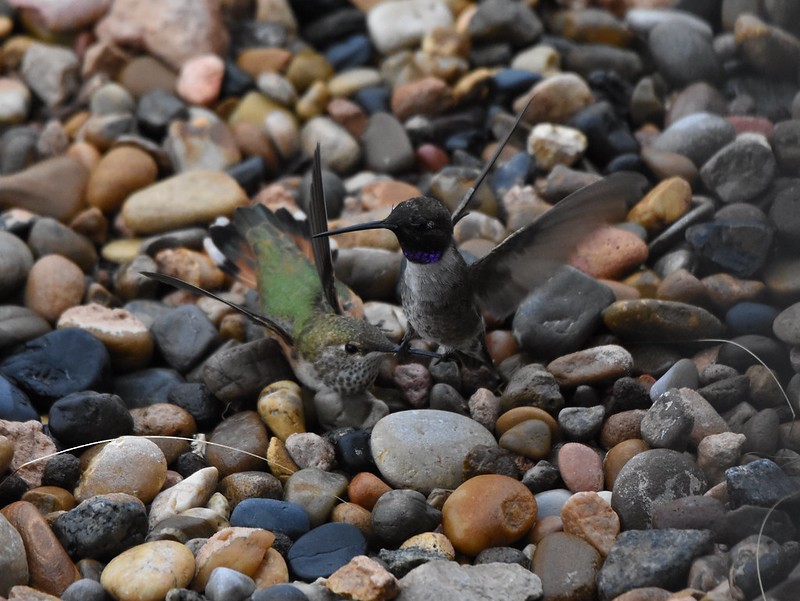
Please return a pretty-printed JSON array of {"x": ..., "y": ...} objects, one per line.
[
  {"x": 416, "y": 17},
  {"x": 588, "y": 516},
  {"x": 315, "y": 491},
  {"x": 761, "y": 483},
  {"x": 280, "y": 405},
  {"x": 662, "y": 559},
  {"x": 54, "y": 285},
  {"x": 591, "y": 366},
  {"x": 648, "y": 320},
  {"x": 243, "y": 431},
  {"x": 695, "y": 61},
  {"x": 13, "y": 558},
  {"x": 310, "y": 450},
  {"x": 193, "y": 491},
  {"x": 741, "y": 170},
  {"x": 340, "y": 151},
  {"x": 84, "y": 417},
  {"x": 580, "y": 467},
  {"x": 443, "y": 579},
  {"x": 697, "y": 136},
  {"x": 119, "y": 173},
  {"x": 424, "y": 449},
  {"x": 49, "y": 567},
  {"x": 668, "y": 423},
  {"x": 400, "y": 514},
  {"x": 184, "y": 336},
  {"x": 325, "y": 549},
  {"x": 488, "y": 511},
  {"x": 273, "y": 515},
  {"x": 572, "y": 90},
  {"x": 148, "y": 571},
  {"x": 228, "y": 585},
  {"x": 186, "y": 199},
  {"x": 102, "y": 527},
  {"x": 51, "y": 72},
  {"x": 567, "y": 565},
  {"x": 16, "y": 260},
  {"x": 240, "y": 549},
  {"x": 581, "y": 423},
  {"x": 651, "y": 478},
  {"x": 63, "y": 361},
  {"x": 129, "y": 465}
]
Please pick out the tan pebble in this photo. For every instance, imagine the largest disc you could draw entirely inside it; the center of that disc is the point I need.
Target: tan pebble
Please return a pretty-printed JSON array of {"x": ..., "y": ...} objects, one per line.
[
  {"x": 219, "y": 505},
  {"x": 363, "y": 578},
  {"x": 517, "y": 415},
  {"x": 531, "y": 438},
  {"x": 200, "y": 79},
  {"x": 622, "y": 291},
  {"x": 54, "y": 285},
  {"x": 547, "y": 525},
  {"x": 48, "y": 499},
  {"x": 126, "y": 338},
  {"x": 312, "y": 103},
  {"x": 588, "y": 516},
  {"x": 165, "y": 419},
  {"x": 92, "y": 224},
  {"x": 255, "y": 108},
  {"x": 191, "y": 266},
  {"x": 50, "y": 188},
  {"x": 148, "y": 571},
  {"x": 280, "y": 405},
  {"x": 384, "y": 194},
  {"x": 121, "y": 250},
  {"x": 240, "y": 549},
  {"x": 146, "y": 73},
  {"x": 663, "y": 205},
  {"x": 194, "y": 491},
  {"x": 553, "y": 145},
  {"x": 429, "y": 96},
  {"x": 726, "y": 290},
  {"x": 619, "y": 455},
  {"x": 349, "y": 115},
  {"x": 189, "y": 198},
  {"x": 254, "y": 141},
  {"x": 50, "y": 568},
  {"x": 355, "y": 515},
  {"x": 29, "y": 443},
  {"x": 435, "y": 542},
  {"x": 591, "y": 366},
  {"x": 650, "y": 593},
  {"x": 245, "y": 485},
  {"x": 555, "y": 99},
  {"x": 501, "y": 345},
  {"x": 255, "y": 61},
  {"x": 670, "y": 164},
  {"x": 487, "y": 511},
  {"x": 645, "y": 282},
  {"x": 6, "y": 453},
  {"x": 609, "y": 252},
  {"x": 243, "y": 431},
  {"x": 365, "y": 489},
  {"x": 280, "y": 464},
  {"x": 306, "y": 68},
  {"x": 128, "y": 464},
  {"x": 121, "y": 172},
  {"x": 349, "y": 82},
  {"x": 272, "y": 570}
]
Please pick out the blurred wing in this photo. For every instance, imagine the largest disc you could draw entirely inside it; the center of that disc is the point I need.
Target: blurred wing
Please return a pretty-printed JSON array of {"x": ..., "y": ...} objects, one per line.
[
  {"x": 504, "y": 277},
  {"x": 182, "y": 285},
  {"x": 288, "y": 287},
  {"x": 318, "y": 222}
]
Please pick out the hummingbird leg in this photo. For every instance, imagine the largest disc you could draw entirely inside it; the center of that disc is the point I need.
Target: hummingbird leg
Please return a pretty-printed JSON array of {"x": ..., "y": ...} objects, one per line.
[{"x": 405, "y": 342}]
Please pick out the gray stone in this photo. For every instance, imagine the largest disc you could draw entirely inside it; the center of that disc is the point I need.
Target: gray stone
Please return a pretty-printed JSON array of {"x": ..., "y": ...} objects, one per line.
[
  {"x": 16, "y": 261},
  {"x": 315, "y": 491},
  {"x": 400, "y": 514},
  {"x": 683, "y": 374},
  {"x": 226, "y": 584},
  {"x": 184, "y": 336},
  {"x": 449, "y": 581},
  {"x": 741, "y": 170},
  {"x": 697, "y": 136},
  {"x": 52, "y": 72},
  {"x": 683, "y": 55},
  {"x": 387, "y": 148},
  {"x": 425, "y": 449},
  {"x": 581, "y": 423},
  {"x": 668, "y": 422},
  {"x": 13, "y": 559}
]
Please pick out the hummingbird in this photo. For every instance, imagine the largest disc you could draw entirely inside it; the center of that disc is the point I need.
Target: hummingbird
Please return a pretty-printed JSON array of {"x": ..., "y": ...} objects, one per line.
[
  {"x": 445, "y": 298},
  {"x": 328, "y": 351}
]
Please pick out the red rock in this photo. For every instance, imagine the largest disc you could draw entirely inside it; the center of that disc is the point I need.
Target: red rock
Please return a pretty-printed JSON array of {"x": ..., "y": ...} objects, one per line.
[
  {"x": 580, "y": 467},
  {"x": 365, "y": 489},
  {"x": 588, "y": 516}
]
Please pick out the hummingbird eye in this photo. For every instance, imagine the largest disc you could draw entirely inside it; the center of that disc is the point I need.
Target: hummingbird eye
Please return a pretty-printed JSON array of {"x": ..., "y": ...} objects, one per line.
[{"x": 350, "y": 349}]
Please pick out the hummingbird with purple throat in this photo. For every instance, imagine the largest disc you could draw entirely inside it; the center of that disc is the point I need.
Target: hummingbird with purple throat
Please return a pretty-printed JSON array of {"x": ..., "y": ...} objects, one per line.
[
  {"x": 444, "y": 297},
  {"x": 328, "y": 351}
]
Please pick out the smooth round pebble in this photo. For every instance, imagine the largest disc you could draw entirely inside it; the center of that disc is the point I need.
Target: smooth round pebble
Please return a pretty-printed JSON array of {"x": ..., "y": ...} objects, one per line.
[
  {"x": 325, "y": 549},
  {"x": 148, "y": 571}
]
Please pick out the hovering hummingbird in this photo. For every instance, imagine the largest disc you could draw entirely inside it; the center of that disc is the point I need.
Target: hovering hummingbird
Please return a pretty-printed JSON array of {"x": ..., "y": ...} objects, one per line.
[
  {"x": 443, "y": 296},
  {"x": 328, "y": 351}
]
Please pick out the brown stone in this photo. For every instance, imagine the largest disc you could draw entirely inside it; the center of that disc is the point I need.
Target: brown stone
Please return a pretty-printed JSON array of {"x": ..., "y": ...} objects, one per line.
[
  {"x": 250, "y": 484},
  {"x": 355, "y": 515},
  {"x": 567, "y": 565},
  {"x": 29, "y": 444},
  {"x": 588, "y": 516},
  {"x": 50, "y": 568},
  {"x": 240, "y": 549},
  {"x": 487, "y": 511},
  {"x": 547, "y": 525},
  {"x": 51, "y": 188},
  {"x": 514, "y": 416},
  {"x": 165, "y": 419},
  {"x": 54, "y": 285},
  {"x": 48, "y": 499},
  {"x": 243, "y": 431},
  {"x": 429, "y": 96},
  {"x": 364, "y": 579},
  {"x": 663, "y": 205},
  {"x": 365, "y": 489},
  {"x": 555, "y": 99},
  {"x": 121, "y": 172},
  {"x": 682, "y": 286},
  {"x": 621, "y": 426},
  {"x": 272, "y": 570},
  {"x": 580, "y": 467},
  {"x": 619, "y": 455},
  {"x": 610, "y": 253},
  {"x": 531, "y": 438}
]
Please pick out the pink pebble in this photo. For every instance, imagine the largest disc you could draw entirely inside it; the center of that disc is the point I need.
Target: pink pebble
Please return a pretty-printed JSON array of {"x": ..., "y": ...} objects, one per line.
[
  {"x": 580, "y": 467},
  {"x": 200, "y": 79}
]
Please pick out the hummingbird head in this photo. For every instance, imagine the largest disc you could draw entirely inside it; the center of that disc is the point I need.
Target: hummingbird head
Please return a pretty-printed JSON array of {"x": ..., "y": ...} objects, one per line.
[
  {"x": 422, "y": 225},
  {"x": 344, "y": 352}
]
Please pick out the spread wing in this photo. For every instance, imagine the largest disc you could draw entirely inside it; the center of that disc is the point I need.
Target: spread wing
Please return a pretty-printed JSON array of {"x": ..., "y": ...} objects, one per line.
[
  {"x": 288, "y": 287},
  {"x": 318, "y": 222},
  {"x": 504, "y": 277}
]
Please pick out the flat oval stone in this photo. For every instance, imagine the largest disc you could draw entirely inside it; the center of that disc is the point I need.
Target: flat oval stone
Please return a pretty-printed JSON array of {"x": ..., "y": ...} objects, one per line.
[
  {"x": 16, "y": 261},
  {"x": 592, "y": 366},
  {"x": 87, "y": 416},
  {"x": 190, "y": 198},
  {"x": 194, "y": 491},
  {"x": 325, "y": 549},
  {"x": 658, "y": 320},
  {"x": 580, "y": 467},
  {"x": 567, "y": 565},
  {"x": 240, "y": 549},
  {"x": 54, "y": 285},
  {"x": 488, "y": 511},
  {"x": 273, "y": 515},
  {"x": 53, "y": 187},
  {"x": 13, "y": 560},
  {"x": 425, "y": 449},
  {"x": 243, "y": 431},
  {"x": 148, "y": 571}
]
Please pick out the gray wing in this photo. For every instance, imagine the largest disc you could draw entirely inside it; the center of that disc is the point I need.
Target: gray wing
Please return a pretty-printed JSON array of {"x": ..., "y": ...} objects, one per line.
[
  {"x": 504, "y": 277},
  {"x": 318, "y": 222}
]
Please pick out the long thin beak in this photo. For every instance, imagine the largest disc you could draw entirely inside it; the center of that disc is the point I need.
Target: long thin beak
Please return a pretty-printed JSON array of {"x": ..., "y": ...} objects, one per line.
[
  {"x": 358, "y": 227},
  {"x": 421, "y": 352}
]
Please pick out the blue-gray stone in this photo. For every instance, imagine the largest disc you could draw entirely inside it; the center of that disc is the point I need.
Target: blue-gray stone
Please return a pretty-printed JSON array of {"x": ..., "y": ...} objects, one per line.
[
  {"x": 147, "y": 386},
  {"x": 697, "y": 136},
  {"x": 751, "y": 318},
  {"x": 762, "y": 483},
  {"x": 400, "y": 514},
  {"x": 226, "y": 584},
  {"x": 642, "y": 558},
  {"x": 15, "y": 406},
  {"x": 560, "y": 315},
  {"x": 88, "y": 416},
  {"x": 279, "y": 592},
  {"x": 740, "y": 248},
  {"x": 683, "y": 374},
  {"x": 683, "y": 55},
  {"x": 325, "y": 549},
  {"x": 354, "y": 51},
  {"x": 740, "y": 171},
  {"x": 273, "y": 515},
  {"x": 184, "y": 336}
]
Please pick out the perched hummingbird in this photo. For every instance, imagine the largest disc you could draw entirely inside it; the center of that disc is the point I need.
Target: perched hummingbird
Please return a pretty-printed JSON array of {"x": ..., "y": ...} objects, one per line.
[
  {"x": 443, "y": 296},
  {"x": 327, "y": 350}
]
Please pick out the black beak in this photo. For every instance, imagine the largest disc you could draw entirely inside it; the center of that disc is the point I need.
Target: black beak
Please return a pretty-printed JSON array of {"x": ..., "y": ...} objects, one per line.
[
  {"x": 420, "y": 352},
  {"x": 358, "y": 227}
]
